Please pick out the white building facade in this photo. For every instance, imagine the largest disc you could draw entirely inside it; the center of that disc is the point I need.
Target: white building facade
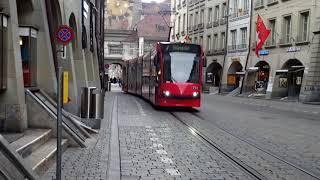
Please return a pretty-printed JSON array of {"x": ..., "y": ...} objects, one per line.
[{"x": 238, "y": 44}]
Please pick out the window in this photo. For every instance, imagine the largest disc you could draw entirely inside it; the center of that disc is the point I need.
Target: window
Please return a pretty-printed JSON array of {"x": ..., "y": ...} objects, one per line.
[
  {"x": 216, "y": 13},
  {"x": 245, "y": 5},
  {"x": 233, "y": 39},
  {"x": 184, "y": 22},
  {"x": 196, "y": 18},
  {"x": 272, "y": 38},
  {"x": 209, "y": 43},
  {"x": 195, "y": 40},
  {"x": 235, "y": 6},
  {"x": 286, "y": 29},
  {"x": 209, "y": 15},
  {"x": 224, "y": 10},
  {"x": 304, "y": 26},
  {"x": 243, "y": 38},
  {"x": 179, "y": 20},
  {"x": 223, "y": 40},
  {"x": 215, "y": 42},
  {"x": 201, "y": 41},
  {"x": 202, "y": 16},
  {"x": 190, "y": 20}
]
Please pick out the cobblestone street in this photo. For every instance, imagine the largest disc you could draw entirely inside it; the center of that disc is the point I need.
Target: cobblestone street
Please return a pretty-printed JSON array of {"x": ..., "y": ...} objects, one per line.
[{"x": 138, "y": 142}]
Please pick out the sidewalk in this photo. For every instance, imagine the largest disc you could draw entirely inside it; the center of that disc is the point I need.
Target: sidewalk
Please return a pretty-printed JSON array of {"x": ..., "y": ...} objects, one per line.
[
  {"x": 91, "y": 162},
  {"x": 271, "y": 103}
]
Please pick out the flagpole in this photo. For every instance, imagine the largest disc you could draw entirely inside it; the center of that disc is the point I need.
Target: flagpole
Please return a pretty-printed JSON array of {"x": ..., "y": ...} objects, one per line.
[{"x": 249, "y": 47}]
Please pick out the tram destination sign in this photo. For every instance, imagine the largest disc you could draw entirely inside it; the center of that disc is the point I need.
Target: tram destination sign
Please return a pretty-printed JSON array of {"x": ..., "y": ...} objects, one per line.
[{"x": 184, "y": 48}]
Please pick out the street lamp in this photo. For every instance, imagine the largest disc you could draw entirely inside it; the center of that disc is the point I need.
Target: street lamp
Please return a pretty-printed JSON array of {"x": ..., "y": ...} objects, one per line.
[{"x": 3, "y": 53}]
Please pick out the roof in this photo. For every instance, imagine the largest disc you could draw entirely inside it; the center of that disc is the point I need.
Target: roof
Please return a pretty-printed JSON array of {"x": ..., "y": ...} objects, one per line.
[{"x": 154, "y": 27}]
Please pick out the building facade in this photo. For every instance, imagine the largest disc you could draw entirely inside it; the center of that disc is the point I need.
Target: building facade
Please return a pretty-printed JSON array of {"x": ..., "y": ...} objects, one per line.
[
  {"x": 30, "y": 55},
  {"x": 287, "y": 66},
  {"x": 237, "y": 43},
  {"x": 179, "y": 20}
]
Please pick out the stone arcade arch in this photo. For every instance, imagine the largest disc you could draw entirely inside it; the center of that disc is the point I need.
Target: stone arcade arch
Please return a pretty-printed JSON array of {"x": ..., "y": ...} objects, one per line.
[
  {"x": 294, "y": 77},
  {"x": 213, "y": 74},
  {"x": 233, "y": 80}
]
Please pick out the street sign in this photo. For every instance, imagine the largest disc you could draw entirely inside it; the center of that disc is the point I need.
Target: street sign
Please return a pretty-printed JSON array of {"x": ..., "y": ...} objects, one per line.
[{"x": 65, "y": 34}]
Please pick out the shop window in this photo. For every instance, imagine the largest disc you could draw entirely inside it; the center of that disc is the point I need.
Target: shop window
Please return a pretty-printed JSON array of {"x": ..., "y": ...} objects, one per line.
[
  {"x": 28, "y": 49},
  {"x": 3, "y": 51}
]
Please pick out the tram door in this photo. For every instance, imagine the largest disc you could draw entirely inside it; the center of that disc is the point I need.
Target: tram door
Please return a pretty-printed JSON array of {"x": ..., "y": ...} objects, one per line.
[{"x": 28, "y": 48}]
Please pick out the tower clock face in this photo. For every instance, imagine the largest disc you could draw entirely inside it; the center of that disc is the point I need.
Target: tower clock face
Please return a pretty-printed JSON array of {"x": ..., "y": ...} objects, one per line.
[{"x": 117, "y": 7}]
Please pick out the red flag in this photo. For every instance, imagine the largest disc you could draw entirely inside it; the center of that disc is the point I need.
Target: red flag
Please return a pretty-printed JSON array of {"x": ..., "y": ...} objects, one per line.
[{"x": 262, "y": 34}]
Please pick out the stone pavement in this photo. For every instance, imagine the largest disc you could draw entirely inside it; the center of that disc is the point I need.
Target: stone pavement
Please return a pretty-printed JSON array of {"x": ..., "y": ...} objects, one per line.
[
  {"x": 91, "y": 162},
  {"x": 154, "y": 145},
  {"x": 271, "y": 103}
]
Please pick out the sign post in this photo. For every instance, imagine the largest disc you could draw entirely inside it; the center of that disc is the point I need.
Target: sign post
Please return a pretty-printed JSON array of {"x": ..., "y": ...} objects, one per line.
[{"x": 64, "y": 36}]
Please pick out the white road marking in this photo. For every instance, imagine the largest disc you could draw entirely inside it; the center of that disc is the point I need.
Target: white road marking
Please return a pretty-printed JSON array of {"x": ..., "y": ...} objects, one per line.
[
  {"x": 161, "y": 151},
  {"x": 173, "y": 172},
  {"x": 166, "y": 160},
  {"x": 157, "y": 145},
  {"x": 315, "y": 112},
  {"x": 152, "y": 134},
  {"x": 148, "y": 127},
  {"x": 154, "y": 139}
]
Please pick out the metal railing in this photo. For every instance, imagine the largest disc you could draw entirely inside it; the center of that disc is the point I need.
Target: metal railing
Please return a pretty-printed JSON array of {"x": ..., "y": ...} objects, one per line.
[
  {"x": 201, "y": 26},
  {"x": 302, "y": 38},
  {"x": 209, "y": 25},
  {"x": 284, "y": 41},
  {"x": 115, "y": 51},
  {"x": 223, "y": 21},
  {"x": 270, "y": 2},
  {"x": 215, "y": 23},
  {"x": 233, "y": 15},
  {"x": 237, "y": 47}
]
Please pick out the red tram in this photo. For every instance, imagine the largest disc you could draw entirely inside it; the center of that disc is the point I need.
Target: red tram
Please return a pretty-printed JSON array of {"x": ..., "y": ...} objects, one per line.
[{"x": 168, "y": 76}]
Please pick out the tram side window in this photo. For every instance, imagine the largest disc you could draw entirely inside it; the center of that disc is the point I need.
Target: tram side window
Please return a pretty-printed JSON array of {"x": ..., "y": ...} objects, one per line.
[{"x": 167, "y": 66}]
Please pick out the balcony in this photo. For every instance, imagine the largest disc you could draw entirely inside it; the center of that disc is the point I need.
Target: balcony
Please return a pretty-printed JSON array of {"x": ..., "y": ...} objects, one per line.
[
  {"x": 190, "y": 28},
  {"x": 270, "y": 43},
  {"x": 302, "y": 40},
  {"x": 284, "y": 42},
  {"x": 218, "y": 51},
  {"x": 195, "y": 27},
  {"x": 201, "y": 26},
  {"x": 238, "y": 48},
  {"x": 215, "y": 23},
  {"x": 272, "y": 2},
  {"x": 233, "y": 15},
  {"x": 223, "y": 21},
  {"x": 209, "y": 25},
  {"x": 243, "y": 12},
  {"x": 258, "y": 4}
]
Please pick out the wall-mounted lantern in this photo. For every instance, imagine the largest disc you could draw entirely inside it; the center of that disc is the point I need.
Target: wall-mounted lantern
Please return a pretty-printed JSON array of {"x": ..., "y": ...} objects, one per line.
[
  {"x": 28, "y": 47},
  {"x": 3, "y": 50}
]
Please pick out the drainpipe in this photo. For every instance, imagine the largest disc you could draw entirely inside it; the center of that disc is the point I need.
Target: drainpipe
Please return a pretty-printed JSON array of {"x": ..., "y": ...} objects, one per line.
[
  {"x": 249, "y": 48},
  {"x": 225, "y": 45}
]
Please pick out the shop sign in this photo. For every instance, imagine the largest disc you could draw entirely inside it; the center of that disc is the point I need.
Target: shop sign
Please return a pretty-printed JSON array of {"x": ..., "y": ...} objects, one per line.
[
  {"x": 264, "y": 52},
  {"x": 293, "y": 49}
]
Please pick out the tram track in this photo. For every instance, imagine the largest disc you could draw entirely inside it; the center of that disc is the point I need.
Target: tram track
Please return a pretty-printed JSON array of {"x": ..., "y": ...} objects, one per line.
[{"x": 248, "y": 169}]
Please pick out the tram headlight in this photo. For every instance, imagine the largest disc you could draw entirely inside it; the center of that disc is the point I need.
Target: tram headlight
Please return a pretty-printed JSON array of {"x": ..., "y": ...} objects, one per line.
[
  {"x": 195, "y": 94},
  {"x": 166, "y": 93}
]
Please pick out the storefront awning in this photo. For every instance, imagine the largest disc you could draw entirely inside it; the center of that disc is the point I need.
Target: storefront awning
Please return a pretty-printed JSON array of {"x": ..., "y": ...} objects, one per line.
[
  {"x": 252, "y": 69},
  {"x": 241, "y": 73}
]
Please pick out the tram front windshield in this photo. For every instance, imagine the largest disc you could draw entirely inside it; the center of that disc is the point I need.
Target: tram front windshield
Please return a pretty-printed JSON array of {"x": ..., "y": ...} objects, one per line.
[{"x": 181, "y": 67}]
